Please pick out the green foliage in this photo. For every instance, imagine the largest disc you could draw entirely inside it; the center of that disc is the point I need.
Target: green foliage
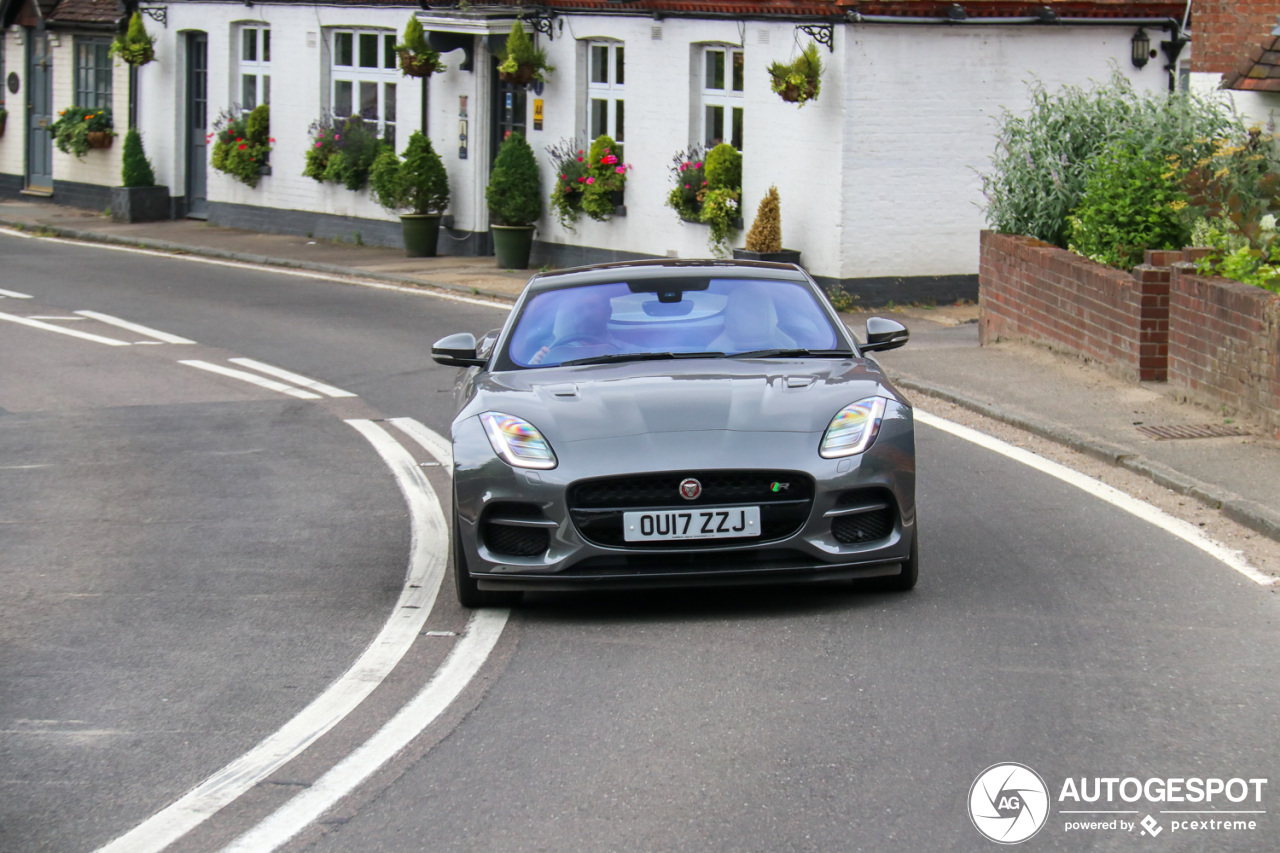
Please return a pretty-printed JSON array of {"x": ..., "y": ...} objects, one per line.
[
  {"x": 342, "y": 151},
  {"x": 515, "y": 187},
  {"x": 71, "y": 130},
  {"x": 417, "y": 58},
  {"x": 724, "y": 167},
  {"x": 135, "y": 169},
  {"x": 800, "y": 80},
  {"x": 521, "y": 62},
  {"x": 1043, "y": 157},
  {"x": 242, "y": 143},
  {"x": 708, "y": 191},
  {"x": 766, "y": 232},
  {"x": 840, "y": 299},
  {"x": 1131, "y": 203},
  {"x": 419, "y": 183},
  {"x": 136, "y": 46},
  {"x": 689, "y": 172},
  {"x": 587, "y": 179}
]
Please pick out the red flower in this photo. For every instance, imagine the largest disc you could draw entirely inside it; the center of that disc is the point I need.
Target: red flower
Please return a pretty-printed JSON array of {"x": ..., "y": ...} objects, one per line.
[{"x": 242, "y": 147}]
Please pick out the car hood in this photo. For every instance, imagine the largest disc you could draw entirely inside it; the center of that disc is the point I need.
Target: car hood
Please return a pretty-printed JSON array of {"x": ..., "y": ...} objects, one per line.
[{"x": 611, "y": 401}]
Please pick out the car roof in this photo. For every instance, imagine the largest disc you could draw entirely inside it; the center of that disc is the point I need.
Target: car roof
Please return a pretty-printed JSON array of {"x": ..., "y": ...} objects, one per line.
[{"x": 649, "y": 270}]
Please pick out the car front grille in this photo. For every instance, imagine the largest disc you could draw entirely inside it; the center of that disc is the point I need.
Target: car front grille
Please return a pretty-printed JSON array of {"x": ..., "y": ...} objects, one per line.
[
  {"x": 784, "y": 497},
  {"x": 868, "y": 516},
  {"x": 504, "y": 530}
]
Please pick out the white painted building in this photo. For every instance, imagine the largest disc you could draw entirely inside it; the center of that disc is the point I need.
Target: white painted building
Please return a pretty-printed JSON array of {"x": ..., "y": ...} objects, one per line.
[{"x": 878, "y": 176}]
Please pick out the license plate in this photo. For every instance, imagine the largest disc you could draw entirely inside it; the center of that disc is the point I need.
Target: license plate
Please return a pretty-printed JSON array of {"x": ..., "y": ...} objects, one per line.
[{"x": 675, "y": 524}]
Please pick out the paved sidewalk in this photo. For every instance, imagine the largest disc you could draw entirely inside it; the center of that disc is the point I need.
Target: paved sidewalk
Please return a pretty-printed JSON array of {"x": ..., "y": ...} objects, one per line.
[{"x": 1056, "y": 397}]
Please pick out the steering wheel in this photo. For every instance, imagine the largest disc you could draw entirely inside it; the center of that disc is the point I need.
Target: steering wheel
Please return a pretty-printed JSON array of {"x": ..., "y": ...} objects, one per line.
[{"x": 580, "y": 339}]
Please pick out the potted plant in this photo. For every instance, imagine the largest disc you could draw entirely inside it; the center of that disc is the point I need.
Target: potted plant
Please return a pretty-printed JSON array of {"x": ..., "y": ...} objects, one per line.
[
  {"x": 79, "y": 128},
  {"x": 515, "y": 201},
  {"x": 138, "y": 199},
  {"x": 135, "y": 46},
  {"x": 417, "y": 183},
  {"x": 522, "y": 63},
  {"x": 709, "y": 191},
  {"x": 590, "y": 181},
  {"x": 342, "y": 151},
  {"x": 242, "y": 143},
  {"x": 4, "y": 117},
  {"x": 764, "y": 240},
  {"x": 417, "y": 59},
  {"x": 799, "y": 80}
]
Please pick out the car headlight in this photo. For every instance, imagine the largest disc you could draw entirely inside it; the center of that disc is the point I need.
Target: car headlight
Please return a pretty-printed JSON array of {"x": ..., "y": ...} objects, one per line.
[
  {"x": 853, "y": 428},
  {"x": 517, "y": 441}
]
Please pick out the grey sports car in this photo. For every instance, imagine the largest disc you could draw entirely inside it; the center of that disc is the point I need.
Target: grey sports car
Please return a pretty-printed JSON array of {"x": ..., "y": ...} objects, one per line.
[{"x": 677, "y": 423}]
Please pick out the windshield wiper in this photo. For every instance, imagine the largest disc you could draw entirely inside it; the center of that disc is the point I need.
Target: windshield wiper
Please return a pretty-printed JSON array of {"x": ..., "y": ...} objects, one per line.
[
  {"x": 792, "y": 353},
  {"x": 638, "y": 356}
]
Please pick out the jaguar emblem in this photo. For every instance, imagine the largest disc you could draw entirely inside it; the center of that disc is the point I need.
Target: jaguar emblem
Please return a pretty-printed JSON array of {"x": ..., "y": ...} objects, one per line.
[{"x": 690, "y": 489}]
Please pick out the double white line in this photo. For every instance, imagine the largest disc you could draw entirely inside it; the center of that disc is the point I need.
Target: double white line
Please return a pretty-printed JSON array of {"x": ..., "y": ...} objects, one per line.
[{"x": 302, "y": 382}]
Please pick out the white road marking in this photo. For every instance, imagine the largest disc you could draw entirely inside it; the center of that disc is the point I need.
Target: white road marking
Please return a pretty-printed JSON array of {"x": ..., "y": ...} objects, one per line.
[
  {"x": 432, "y": 442},
  {"x": 14, "y": 232},
  {"x": 52, "y": 317},
  {"x": 463, "y": 662},
  {"x": 1143, "y": 510},
  {"x": 75, "y": 333},
  {"x": 251, "y": 377},
  {"x": 428, "y": 552},
  {"x": 135, "y": 327},
  {"x": 13, "y": 294},
  {"x": 295, "y": 378}
]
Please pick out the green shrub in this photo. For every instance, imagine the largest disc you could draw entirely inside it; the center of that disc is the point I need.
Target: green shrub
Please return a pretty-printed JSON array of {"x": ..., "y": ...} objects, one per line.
[
  {"x": 136, "y": 46},
  {"x": 342, "y": 151},
  {"x": 708, "y": 191},
  {"x": 515, "y": 187},
  {"x": 242, "y": 143},
  {"x": 1043, "y": 157},
  {"x": 135, "y": 168},
  {"x": 766, "y": 232},
  {"x": 418, "y": 184},
  {"x": 724, "y": 167}
]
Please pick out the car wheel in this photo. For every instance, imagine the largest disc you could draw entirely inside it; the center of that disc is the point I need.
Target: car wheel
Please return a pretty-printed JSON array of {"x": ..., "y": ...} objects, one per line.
[
  {"x": 470, "y": 595},
  {"x": 906, "y": 579}
]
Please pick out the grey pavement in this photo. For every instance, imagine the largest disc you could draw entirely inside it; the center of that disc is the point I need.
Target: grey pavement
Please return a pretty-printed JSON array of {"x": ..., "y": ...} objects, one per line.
[{"x": 1058, "y": 397}]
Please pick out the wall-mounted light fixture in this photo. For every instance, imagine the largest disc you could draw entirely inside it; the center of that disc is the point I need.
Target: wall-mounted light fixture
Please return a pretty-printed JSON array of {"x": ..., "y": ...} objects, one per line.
[{"x": 1141, "y": 44}]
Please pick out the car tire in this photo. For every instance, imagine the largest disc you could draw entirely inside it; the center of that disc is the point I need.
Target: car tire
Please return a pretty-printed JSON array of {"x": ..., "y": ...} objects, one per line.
[
  {"x": 470, "y": 595},
  {"x": 906, "y": 579}
]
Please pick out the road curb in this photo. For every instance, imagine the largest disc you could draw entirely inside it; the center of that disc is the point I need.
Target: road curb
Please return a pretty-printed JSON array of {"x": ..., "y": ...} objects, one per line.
[
  {"x": 1251, "y": 514},
  {"x": 246, "y": 258}
]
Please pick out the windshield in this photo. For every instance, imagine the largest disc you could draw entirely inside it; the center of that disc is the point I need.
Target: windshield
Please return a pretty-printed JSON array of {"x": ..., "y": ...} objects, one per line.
[{"x": 609, "y": 322}]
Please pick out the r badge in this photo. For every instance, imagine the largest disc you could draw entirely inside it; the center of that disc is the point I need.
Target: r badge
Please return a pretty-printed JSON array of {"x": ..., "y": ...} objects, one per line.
[{"x": 690, "y": 489}]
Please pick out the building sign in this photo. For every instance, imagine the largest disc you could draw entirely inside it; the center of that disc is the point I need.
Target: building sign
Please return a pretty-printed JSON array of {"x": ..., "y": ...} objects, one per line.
[{"x": 537, "y": 113}]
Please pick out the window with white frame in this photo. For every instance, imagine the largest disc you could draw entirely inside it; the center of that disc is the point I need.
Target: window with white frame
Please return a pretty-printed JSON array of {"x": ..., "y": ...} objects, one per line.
[
  {"x": 722, "y": 95},
  {"x": 255, "y": 66},
  {"x": 363, "y": 78},
  {"x": 606, "y": 98},
  {"x": 93, "y": 73}
]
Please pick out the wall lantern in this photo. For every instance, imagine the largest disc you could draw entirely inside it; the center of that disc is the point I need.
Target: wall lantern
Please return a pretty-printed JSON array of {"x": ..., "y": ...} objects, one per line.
[{"x": 1141, "y": 48}]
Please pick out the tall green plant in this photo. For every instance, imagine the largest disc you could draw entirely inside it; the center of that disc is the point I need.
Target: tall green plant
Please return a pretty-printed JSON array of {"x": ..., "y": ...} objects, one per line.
[
  {"x": 1044, "y": 156},
  {"x": 135, "y": 169},
  {"x": 721, "y": 203},
  {"x": 418, "y": 183},
  {"x": 515, "y": 187}
]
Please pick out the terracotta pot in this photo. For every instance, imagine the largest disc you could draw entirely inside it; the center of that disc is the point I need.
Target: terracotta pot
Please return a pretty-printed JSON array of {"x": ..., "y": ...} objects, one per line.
[{"x": 100, "y": 139}]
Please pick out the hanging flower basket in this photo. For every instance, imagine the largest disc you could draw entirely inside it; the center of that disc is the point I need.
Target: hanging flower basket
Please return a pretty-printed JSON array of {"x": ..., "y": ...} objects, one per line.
[
  {"x": 522, "y": 76},
  {"x": 800, "y": 80},
  {"x": 419, "y": 64},
  {"x": 520, "y": 63},
  {"x": 793, "y": 93},
  {"x": 99, "y": 138}
]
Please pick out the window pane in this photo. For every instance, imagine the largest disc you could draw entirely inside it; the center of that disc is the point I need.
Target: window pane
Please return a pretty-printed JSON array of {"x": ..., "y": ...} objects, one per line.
[
  {"x": 738, "y": 69},
  {"x": 388, "y": 51},
  {"x": 342, "y": 49},
  {"x": 389, "y": 134},
  {"x": 389, "y": 101},
  {"x": 599, "y": 117},
  {"x": 715, "y": 69},
  {"x": 368, "y": 50},
  {"x": 368, "y": 100},
  {"x": 266, "y": 89},
  {"x": 618, "y": 124},
  {"x": 715, "y": 126},
  {"x": 249, "y": 91},
  {"x": 737, "y": 128},
  {"x": 599, "y": 63},
  {"x": 618, "y": 77},
  {"x": 249, "y": 40},
  {"x": 266, "y": 45},
  {"x": 342, "y": 99}
]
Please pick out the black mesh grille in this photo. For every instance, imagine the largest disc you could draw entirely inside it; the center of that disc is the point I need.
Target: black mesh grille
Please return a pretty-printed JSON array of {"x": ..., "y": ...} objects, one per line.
[
  {"x": 784, "y": 498},
  {"x": 513, "y": 540},
  {"x": 863, "y": 526}
]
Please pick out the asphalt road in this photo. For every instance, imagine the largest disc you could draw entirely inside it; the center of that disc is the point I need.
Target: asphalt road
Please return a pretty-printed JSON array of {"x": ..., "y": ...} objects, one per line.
[{"x": 187, "y": 560}]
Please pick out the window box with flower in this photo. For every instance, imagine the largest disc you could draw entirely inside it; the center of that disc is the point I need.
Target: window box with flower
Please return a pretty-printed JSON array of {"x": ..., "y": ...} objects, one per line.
[
  {"x": 709, "y": 191},
  {"x": 590, "y": 181},
  {"x": 242, "y": 143},
  {"x": 79, "y": 129},
  {"x": 342, "y": 150}
]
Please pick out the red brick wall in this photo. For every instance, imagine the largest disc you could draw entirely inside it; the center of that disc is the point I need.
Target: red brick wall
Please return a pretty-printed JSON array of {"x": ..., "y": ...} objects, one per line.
[
  {"x": 1224, "y": 31},
  {"x": 1029, "y": 290},
  {"x": 1224, "y": 345}
]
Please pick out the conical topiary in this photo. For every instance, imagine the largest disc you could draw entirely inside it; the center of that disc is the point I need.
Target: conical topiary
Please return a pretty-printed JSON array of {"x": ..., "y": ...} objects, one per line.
[
  {"x": 515, "y": 187},
  {"x": 136, "y": 170},
  {"x": 766, "y": 232}
]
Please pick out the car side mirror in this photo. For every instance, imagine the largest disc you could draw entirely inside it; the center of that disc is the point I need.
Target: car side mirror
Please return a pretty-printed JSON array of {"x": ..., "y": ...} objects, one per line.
[
  {"x": 884, "y": 335},
  {"x": 457, "y": 351}
]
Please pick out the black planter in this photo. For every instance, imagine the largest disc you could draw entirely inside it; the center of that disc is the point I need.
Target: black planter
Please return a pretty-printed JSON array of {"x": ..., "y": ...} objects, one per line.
[
  {"x": 785, "y": 256},
  {"x": 140, "y": 204}
]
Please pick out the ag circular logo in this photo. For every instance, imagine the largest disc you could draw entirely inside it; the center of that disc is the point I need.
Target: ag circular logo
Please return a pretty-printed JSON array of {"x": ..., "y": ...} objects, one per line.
[{"x": 1008, "y": 803}]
